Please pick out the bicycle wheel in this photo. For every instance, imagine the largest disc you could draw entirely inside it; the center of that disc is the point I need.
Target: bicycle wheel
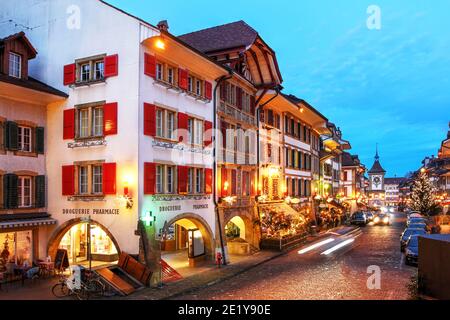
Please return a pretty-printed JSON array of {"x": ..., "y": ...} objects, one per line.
[
  {"x": 96, "y": 288},
  {"x": 60, "y": 290}
]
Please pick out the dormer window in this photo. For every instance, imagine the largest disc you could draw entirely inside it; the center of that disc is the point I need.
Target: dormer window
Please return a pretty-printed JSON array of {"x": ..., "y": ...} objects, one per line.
[{"x": 15, "y": 65}]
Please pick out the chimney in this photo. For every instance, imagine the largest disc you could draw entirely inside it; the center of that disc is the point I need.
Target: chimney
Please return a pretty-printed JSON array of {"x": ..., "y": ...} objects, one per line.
[{"x": 163, "y": 25}]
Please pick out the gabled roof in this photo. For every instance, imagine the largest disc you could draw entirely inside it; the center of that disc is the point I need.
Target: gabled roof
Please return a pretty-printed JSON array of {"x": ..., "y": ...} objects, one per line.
[
  {"x": 297, "y": 101},
  {"x": 394, "y": 180},
  {"x": 349, "y": 160},
  {"x": 21, "y": 36},
  {"x": 228, "y": 36}
]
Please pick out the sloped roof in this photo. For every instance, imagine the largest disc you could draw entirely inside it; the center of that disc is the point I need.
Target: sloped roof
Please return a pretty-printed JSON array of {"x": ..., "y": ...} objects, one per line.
[
  {"x": 377, "y": 168},
  {"x": 394, "y": 180},
  {"x": 21, "y": 36},
  {"x": 232, "y": 35},
  {"x": 32, "y": 84},
  {"x": 349, "y": 160}
]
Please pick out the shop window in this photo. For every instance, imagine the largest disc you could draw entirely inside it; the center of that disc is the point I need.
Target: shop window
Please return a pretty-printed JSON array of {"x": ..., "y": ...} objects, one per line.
[
  {"x": 16, "y": 248},
  {"x": 15, "y": 65},
  {"x": 89, "y": 121},
  {"x": 165, "y": 179},
  {"x": 24, "y": 191},
  {"x": 165, "y": 124},
  {"x": 24, "y": 139}
]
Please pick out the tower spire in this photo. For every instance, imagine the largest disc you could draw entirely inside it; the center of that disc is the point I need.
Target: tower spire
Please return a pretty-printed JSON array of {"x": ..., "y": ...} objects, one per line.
[{"x": 377, "y": 157}]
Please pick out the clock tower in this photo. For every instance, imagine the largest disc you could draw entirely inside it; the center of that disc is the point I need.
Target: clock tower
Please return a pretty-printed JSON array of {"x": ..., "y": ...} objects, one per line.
[{"x": 376, "y": 179}]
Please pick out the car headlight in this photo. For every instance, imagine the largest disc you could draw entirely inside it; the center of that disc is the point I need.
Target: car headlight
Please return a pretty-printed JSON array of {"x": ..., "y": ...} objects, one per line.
[
  {"x": 386, "y": 220},
  {"x": 377, "y": 219}
]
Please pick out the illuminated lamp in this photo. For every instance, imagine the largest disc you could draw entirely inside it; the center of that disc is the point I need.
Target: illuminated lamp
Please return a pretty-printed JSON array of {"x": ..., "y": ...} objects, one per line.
[{"x": 160, "y": 44}]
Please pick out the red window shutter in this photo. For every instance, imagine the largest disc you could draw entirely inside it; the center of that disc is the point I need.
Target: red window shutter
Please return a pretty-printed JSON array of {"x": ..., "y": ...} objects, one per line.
[
  {"x": 149, "y": 65},
  {"x": 208, "y": 181},
  {"x": 208, "y": 134},
  {"x": 183, "y": 79},
  {"x": 224, "y": 179},
  {"x": 208, "y": 90},
  {"x": 109, "y": 178},
  {"x": 112, "y": 66},
  {"x": 110, "y": 119},
  {"x": 149, "y": 119},
  {"x": 183, "y": 179},
  {"x": 252, "y": 105},
  {"x": 69, "y": 124},
  {"x": 70, "y": 74},
  {"x": 68, "y": 180},
  {"x": 183, "y": 120},
  {"x": 149, "y": 178}
]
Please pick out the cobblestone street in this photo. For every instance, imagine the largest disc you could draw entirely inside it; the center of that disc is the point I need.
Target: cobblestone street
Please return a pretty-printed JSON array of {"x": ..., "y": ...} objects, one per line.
[{"x": 340, "y": 275}]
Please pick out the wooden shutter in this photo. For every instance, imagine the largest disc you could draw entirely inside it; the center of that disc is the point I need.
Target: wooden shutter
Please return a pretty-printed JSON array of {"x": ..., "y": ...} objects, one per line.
[
  {"x": 149, "y": 119},
  {"x": 69, "y": 124},
  {"x": 109, "y": 178},
  {"x": 208, "y": 181},
  {"x": 70, "y": 74},
  {"x": 111, "y": 66},
  {"x": 239, "y": 98},
  {"x": 223, "y": 91},
  {"x": 183, "y": 121},
  {"x": 149, "y": 178},
  {"x": 68, "y": 180},
  {"x": 110, "y": 119},
  {"x": 252, "y": 105},
  {"x": 10, "y": 191},
  {"x": 224, "y": 178},
  {"x": 208, "y": 133},
  {"x": 39, "y": 191},
  {"x": 12, "y": 135},
  {"x": 208, "y": 90},
  {"x": 149, "y": 65},
  {"x": 39, "y": 133},
  {"x": 183, "y": 79},
  {"x": 183, "y": 179},
  {"x": 254, "y": 185}
]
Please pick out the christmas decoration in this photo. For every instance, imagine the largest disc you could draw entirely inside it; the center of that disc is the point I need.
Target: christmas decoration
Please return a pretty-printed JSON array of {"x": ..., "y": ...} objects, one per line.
[{"x": 422, "y": 194}]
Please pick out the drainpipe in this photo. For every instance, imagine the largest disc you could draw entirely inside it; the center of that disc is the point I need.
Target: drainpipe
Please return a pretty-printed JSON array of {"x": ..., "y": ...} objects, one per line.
[{"x": 216, "y": 205}]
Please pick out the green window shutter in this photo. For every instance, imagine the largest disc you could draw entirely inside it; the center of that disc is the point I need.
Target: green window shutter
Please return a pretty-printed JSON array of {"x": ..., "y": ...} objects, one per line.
[
  {"x": 39, "y": 187},
  {"x": 40, "y": 140},
  {"x": 12, "y": 135},
  {"x": 10, "y": 191}
]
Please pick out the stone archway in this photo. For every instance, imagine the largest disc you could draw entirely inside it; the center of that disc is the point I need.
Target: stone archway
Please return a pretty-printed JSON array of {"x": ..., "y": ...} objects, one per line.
[
  {"x": 58, "y": 234},
  {"x": 203, "y": 226},
  {"x": 248, "y": 225}
]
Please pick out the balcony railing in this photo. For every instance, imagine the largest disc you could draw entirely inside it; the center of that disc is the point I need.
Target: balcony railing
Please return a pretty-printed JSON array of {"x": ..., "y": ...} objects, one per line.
[{"x": 237, "y": 114}]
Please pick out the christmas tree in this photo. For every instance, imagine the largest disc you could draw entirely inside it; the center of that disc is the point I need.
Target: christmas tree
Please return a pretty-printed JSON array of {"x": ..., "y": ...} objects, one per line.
[{"x": 422, "y": 194}]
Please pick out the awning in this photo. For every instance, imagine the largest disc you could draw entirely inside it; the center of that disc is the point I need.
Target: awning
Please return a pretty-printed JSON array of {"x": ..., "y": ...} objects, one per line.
[{"x": 26, "y": 223}]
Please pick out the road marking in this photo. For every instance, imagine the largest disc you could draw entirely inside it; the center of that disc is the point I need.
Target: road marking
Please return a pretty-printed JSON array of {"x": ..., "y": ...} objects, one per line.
[
  {"x": 315, "y": 246},
  {"x": 338, "y": 246}
]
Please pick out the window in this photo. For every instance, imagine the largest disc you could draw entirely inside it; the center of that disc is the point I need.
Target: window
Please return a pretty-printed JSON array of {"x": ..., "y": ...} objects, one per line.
[
  {"x": 198, "y": 87},
  {"x": 165, "y": 123},
  {"x": 195, "y": 129},
  {"x": 15, "y": 65},
  {"x": 195, "y": 180},
  {"x": 19, "y": 248},
  {"x": 165, "y": 179},
  {"x": 190, "y": 84},
  {"x": 89, "y": 121},
  {"x": 85, "y": 75},
  {"x": 159, "y": 72},
  {"x": 24, "y": 139},
  {"x": 99, "y": 70},
  {"x": 246, "y": 183},
  {"x": 170, "y": 75},
  {"x": 83, "y": 180},
  {"x": 24, "y": 192},
  {"x": 97, "y": 179}
]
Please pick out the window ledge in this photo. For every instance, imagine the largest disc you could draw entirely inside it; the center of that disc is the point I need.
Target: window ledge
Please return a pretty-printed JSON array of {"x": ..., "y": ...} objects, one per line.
[
  {"x": 179, "y": 197},
  {"x": 87, "y": 198},
  {"x": 88, "y": 83},
  {"x": 197, "y": 97},
  {"x": 87, "y": 143},
  {"x": 167, "y": 85},
  {"x": 26, "y": 154}
]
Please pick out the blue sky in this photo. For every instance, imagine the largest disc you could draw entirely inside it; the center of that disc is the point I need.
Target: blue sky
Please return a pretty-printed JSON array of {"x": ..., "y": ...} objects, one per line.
[{"x": 389, "y": 86}]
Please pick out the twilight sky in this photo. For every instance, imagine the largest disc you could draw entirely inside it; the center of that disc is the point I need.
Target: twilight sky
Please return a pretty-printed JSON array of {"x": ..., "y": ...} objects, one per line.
[{"x": 390, "y": 86}]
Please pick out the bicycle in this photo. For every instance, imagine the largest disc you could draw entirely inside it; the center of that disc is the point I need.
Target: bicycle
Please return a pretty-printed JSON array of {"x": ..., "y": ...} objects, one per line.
[{"x": 89, "y": 287}]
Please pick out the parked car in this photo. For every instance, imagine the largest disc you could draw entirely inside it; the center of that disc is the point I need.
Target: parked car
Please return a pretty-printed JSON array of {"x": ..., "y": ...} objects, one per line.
[
  {"x": 382, "y": 219},
  {"x": 406, "y": 234},
  {"x": 359, "y": 218},
  {"x": 418, "y": 226},
  {"x": 370, "y": 216},
  {"x": 412, "y": 250}
]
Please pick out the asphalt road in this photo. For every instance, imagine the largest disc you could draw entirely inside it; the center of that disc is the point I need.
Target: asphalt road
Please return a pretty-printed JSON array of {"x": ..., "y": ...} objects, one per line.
[{"x": 337, "y": 267}]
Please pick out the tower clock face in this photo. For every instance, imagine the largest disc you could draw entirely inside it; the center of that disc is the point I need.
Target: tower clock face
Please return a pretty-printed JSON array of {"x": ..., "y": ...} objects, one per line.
[{"x": 377, "y": 182}]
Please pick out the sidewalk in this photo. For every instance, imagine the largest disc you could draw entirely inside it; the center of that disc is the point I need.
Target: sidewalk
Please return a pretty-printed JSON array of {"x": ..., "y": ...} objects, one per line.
[{"x": 214, "y": 276}]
